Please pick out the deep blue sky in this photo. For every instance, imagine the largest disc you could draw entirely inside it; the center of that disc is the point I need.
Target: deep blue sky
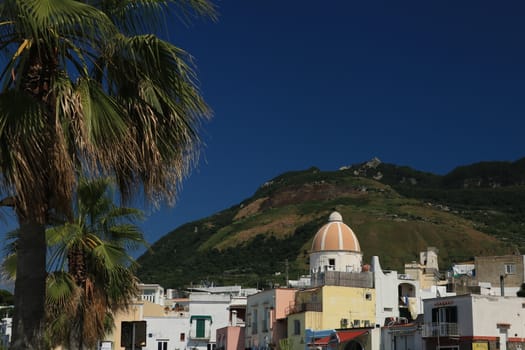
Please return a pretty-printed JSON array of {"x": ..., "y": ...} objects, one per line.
[{"x": 294, "y": 84}]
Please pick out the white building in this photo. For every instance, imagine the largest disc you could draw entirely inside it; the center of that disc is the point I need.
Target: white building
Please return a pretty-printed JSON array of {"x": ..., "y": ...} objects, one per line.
[
  {"x": 169, "y": 331},
  {"x": 207, "y": 313},
  {"x": 474, "y": 322},
  {"x": 192, "y": 323},
  {"x": 5, "y": 332},
  {"x": 152, "y": 293},
  {"x": 400, "y": 298}
]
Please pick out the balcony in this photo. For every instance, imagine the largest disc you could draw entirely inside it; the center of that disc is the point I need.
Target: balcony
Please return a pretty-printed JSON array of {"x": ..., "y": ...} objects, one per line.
[
  {"x": 303, "y": 307},
  {"x": 345, "y": 279},
  {"x": 442, "y": 329},
  {"x": 200, "y": 335},
  {"x": 148, "y": 297}
]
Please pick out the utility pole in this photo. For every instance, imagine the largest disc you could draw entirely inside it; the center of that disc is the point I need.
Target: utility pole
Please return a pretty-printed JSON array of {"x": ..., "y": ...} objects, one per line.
[{"x": 286, "y": 271}]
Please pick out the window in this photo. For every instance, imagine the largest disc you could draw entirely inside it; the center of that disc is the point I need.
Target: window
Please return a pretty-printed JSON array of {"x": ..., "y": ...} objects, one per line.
[
  {"x": 368, "y": 296},
  {"x": 331, "y": 262},
  {"x": 357, "y": 323},
  {"x": 162, "y": 345},
  {"x": 447, "y": 314},
  {"x": 265, "y": 320},
  {"x": 344, "y": 322},
  {"x": 296, "y": 327},
  {"x": 254, "y": 322},
  {"x": 200, "y": 326},
  {"x": 510, "y": 269},
  {"x": 182, "y": 337}
]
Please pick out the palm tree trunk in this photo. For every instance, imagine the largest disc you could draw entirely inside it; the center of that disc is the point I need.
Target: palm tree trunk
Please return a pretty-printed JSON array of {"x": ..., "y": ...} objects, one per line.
[
  {"x": 30, "y": 284},
  {"x": 30, "y": 287}
]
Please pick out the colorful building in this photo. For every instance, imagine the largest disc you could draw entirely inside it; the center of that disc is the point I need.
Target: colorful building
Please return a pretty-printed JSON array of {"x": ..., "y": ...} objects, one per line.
[
  {"x": 342, "y": 293},
  {"x": 266, "y": 314},
  {"x": 471, "y": 321}
]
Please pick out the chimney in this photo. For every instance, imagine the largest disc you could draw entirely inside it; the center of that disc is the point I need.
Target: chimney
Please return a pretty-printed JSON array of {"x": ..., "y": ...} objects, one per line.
[{"x": 234, "y": 318}]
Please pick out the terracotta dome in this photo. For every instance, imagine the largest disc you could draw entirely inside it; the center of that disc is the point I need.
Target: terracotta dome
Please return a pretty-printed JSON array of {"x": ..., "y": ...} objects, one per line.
[{"x": 335, "y": 235}]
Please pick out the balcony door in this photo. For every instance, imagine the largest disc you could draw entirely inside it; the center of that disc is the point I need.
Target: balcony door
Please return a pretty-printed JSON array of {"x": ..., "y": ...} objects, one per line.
[
  {"x": 201, "y": 326},
  {"x": 447, "y": 314}
]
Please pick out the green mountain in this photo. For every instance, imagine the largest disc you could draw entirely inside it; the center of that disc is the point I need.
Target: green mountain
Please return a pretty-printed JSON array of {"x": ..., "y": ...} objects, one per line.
[{"x": 395, "y": 211}]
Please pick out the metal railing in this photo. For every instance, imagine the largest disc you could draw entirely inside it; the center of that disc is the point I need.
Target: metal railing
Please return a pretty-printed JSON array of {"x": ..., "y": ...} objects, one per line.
[
  {"x": 442, "y": 329},
  {"x": 195, "y": 336},
  {"x": 303, "y": 307}
]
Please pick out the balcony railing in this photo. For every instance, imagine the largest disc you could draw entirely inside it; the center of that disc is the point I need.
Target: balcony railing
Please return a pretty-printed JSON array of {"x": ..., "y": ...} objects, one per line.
[
  {"x": 148, "y": 297},
  {"x": 404, "y": 276},
  {"x": 205, "y": 335},
  {"x": 303, "y": 307},
  {"x": 441, "y": 329}
]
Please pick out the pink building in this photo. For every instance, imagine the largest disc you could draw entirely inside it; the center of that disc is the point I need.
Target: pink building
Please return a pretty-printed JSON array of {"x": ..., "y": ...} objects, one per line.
[
  {"x": 266, "y": 322},
  {"x": 230, "y": 338}
]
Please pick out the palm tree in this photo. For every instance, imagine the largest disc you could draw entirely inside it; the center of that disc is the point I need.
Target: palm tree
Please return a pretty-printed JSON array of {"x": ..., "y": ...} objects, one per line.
[
  {"x": 86, "y": 90},
  {"x": 93, "y": 274}
]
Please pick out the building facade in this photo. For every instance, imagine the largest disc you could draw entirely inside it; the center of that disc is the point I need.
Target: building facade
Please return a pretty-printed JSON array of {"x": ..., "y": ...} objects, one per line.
[
  {"x": 266, "y": 318},
  {"x": 489, "y": 275},
  {"x": 474, "y": 321}
]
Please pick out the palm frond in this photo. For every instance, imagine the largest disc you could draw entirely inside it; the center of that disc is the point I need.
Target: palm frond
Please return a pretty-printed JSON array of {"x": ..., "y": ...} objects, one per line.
[
  {"x": 128, "y": 236},
  {"x": 62, "y": 294},
  {"x": 110, "y": 257},
  {"x": 195, "y": 8},
  {"x": 164, "y": 110},
  {"x": 22, "y": 148},
  {"x": 140, "y": 16},
  {"x": 102, "y": 114},
  {"x": 46, "y": 21},
  {"x": 60, "y": 240},
  {"x": 8, "y": 267},
  {"x": 63, "y": 304}
]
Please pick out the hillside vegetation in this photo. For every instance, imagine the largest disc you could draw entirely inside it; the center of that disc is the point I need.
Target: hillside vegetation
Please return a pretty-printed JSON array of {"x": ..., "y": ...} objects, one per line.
[{"x": 396, "y": 212}]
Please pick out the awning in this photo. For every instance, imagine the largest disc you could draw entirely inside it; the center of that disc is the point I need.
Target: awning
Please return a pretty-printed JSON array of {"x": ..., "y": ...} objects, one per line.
[
  {"x": 322, "y": 341},
  {"x": 200, "y": 317},
  {"x": 344, "y": 336}
]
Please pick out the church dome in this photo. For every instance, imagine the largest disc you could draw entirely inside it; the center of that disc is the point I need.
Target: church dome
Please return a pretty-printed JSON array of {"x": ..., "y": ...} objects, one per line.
[{"x": 335, "y": 235}]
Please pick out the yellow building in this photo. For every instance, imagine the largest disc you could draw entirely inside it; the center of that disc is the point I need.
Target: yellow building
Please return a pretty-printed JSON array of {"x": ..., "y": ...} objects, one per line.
[
  {"x": 326, "y": 308},
  {"x": 147, "y": 305}
]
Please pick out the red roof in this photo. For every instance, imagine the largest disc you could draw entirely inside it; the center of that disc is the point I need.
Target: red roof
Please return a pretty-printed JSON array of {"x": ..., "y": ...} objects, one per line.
[
  {"x": 322, "y": 341},
  {"x": 345, "y": 336},
  {"x": 342, "y": 336}
]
